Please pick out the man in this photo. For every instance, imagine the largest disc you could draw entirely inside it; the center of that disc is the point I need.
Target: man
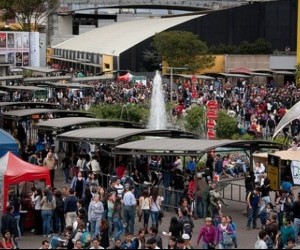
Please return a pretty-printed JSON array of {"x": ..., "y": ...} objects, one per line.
[
  {"x": 261, "y": 242},
  {"x": 218, "y": 165},
  {"x": 45, "y": 245},
  {"x": 120, "y": 188},
  {"x": 50, "y": 163},
  {"x": 9, "y": 223},
  {"x": 199, "y": 188},
  {"x": 152, "y": 244},
  {"x": 187, "y": 241},
  {"x": 296, "y": 213},
  {"x": 253, "y": 199},
  {"x": 154, "y": 235},
  {"x": 70, "y": 208},
  {"x": 129, "y": 202},
  {"x": 181, "y": 244},
  {"x": 96, "y": 244}
]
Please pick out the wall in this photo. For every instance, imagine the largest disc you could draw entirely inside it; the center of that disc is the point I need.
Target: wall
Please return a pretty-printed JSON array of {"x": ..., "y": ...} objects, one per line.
[
  {"x": 283, "y": 62},
  {"x": 219, "y": 65},
  {"x": 246, "y": 61}
]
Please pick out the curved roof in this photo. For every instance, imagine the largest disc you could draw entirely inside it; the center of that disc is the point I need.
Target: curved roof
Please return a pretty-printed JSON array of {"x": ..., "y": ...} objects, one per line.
[
  {"x": 119, "y": 37},
  {"x": 291, "y": 115},
  {"x": 111, "y": 135}
]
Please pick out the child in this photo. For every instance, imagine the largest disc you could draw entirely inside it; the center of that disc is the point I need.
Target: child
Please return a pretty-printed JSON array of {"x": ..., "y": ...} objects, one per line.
[{"x": 7, "y": 241}]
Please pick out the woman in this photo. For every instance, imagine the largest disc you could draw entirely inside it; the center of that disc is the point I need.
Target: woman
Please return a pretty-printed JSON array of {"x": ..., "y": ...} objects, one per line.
[
  {"x": 16, "y": 203},
  {"x": 223, "y": 229},
  {"x": 234, "y": 228},
  {"x": 78, "y": 184},
  {"x": 265, "y": 193},
  {"x": 172, "y": 243},
  {"x": 104, "y": 228},
  {"x": 47, "y": 206},
  {"x": 155, "y": 207},
  {"x": 91, "y": 181},
  {"x": 110, "y": 211},
  {"x": 95, "y": 214},
  {"x": 7, "y": 241},
  {"x": 144, "y": 202},
  {"x": 208, "y": 234},
  {"x": 175, "y": 228},
  {"x": 117, "y": 218},
  {"x": 78, "y": 232},
  {"x": 184, "y": 205},
  {"x": 59, "y": 216},
  {"x": 140, "y": 241},
  {"x": 36, "y": 200}
]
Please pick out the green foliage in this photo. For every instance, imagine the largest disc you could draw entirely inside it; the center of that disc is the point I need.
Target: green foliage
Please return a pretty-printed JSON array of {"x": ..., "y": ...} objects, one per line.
[
  {"x": 181, "y": 48},
  {"x": 27, "y": 11},
  {"x": 226, "y": 126},
  {"x": 260, "y": 46},
  {"x": 297, "y": 74},
  {"x": 133, "y": 113},
  {"x": 195, "y": 119},
  {"x": 151, "y": 60}
]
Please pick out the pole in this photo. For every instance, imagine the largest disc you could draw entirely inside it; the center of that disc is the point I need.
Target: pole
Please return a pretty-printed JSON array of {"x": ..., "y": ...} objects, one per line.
[
  {"x": 171, "y": 83},
  {"x": 298, "y": 33}
]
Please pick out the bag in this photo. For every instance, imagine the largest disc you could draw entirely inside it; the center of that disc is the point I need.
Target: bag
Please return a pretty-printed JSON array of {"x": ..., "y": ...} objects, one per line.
[
  {"x": 227, "y": 240},
  {"x": 161, "y": 215},
  {"x": 187, "y": 228}
]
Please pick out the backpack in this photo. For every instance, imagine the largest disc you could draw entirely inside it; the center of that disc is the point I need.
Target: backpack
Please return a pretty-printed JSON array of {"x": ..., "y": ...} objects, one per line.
[
  {"x": 86, "y": 239},
  {"x": 187, "y": 227},
  {"x": 59, "y": 205}
]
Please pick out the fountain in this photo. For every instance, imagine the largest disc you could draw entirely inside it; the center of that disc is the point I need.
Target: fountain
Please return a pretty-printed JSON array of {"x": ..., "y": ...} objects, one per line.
[{"x": 158, "y": 116}]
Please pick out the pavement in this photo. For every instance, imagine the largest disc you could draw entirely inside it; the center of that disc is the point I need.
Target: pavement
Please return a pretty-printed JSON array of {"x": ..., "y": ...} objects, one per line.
[{"x": 245, "y": 238}]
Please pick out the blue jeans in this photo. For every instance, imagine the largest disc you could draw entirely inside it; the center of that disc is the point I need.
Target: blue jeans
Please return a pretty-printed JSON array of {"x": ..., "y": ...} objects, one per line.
[
  {"x": 111, "y": 226},
  {"x": 199, "y": 208},
  {"x": 154, "y": 218},
  {"x": 129, "y": 216},
  {"x": 167, "y": 199},
  {"x": 146, "y": 214},
  {"x": 252, "y": 216},
  {"x": 17, "y": 219},
  {"x": 119, "y": 229},
  {"x": 66, "y": 172},
  {"x": 178, "y": 196},
  {"x": 47, "y": 217},
  {"x": 95, "y": 227}
]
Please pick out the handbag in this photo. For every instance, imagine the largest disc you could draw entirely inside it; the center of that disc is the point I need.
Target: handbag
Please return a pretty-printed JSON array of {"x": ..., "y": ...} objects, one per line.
[
  {"x": 161, "y": 213},
  {"x": 227, "y": 240}
]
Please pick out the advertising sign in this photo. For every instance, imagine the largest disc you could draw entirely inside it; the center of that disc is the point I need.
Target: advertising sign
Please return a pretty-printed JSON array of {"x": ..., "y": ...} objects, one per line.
[
  {"x": 273, "y": 171},
  {"x": 295, "y": 169}
]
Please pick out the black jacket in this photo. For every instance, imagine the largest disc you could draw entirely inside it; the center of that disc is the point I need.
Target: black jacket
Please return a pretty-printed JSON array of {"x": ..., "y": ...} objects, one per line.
[{"x": 8, "y": 222}]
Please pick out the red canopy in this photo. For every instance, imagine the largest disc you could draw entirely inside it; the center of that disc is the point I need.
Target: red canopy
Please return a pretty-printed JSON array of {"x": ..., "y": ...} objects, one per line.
[
  {"x": 241, "y": 71},
  {"x": 125, "y": 78},
  {"x": 13, "y": 170}
]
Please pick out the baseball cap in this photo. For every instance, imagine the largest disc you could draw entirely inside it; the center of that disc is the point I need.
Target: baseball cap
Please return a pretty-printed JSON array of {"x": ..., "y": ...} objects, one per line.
[{"x": 185, "y": 237}]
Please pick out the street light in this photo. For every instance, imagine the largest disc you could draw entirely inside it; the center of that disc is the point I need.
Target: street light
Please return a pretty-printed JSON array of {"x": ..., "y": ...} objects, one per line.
[{"x": 171, "y": 78}]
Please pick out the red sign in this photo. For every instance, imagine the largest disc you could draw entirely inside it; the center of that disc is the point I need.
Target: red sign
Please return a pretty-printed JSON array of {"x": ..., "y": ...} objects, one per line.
[
  {"x": 213, "y": 104},
  {"x": 211, "y": 124},
  {"x": 211, "y": 134},
  {"x": 212, "y": 114}
]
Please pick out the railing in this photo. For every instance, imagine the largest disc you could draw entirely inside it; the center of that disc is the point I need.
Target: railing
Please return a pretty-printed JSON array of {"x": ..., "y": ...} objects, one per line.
[{"x": 234, "y": 192}]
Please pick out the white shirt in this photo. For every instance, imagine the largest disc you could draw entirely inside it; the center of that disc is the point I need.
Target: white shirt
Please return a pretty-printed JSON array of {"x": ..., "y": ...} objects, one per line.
[
  {"x": 261, "y": 244},
  {"x": 129, "y": 199}
]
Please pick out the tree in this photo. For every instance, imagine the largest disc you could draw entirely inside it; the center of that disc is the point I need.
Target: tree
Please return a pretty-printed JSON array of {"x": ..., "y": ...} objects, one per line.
[
  {"x": 28, "y": 13},
  {"x": 226, "y": 126},
  {"x": 181, "y": 48},
  {"x": 195, "y": 120}
]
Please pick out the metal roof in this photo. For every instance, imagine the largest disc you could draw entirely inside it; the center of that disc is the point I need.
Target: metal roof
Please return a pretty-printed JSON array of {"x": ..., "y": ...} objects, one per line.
[
  {"x": 74, "y": 85},
  {"x": 3, "y": 92},
  {"x": 21, "y": 88},
  {"x": 41, "y": 69},
  {"x": 61, "y": 123},
  {"x": 55, "y": 112},
  {"x": 29, "y": 104},
  {"x": 111, "y": 135},
  {"x": 13, "y": 77},
  {"x": 118, "y": 37},
  {"x": 50, "y": 78},
  {"x": 186, "y": 146},
  {"x": 91, "y": 78}
]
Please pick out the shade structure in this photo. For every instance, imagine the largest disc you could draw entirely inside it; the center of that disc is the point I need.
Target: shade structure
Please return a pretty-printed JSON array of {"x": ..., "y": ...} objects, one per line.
[
  {"x": 292, "y": 114},
  {"x": 7, "y": 143},
  {"x": 14, "y": 170}
]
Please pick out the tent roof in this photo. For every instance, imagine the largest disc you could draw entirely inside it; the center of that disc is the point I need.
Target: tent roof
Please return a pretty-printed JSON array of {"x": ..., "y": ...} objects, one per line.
[
  {"x": 6, "y": 138},
  {"x": 291, "y": 115},
  {"x": 106, "y": 40},
  {"x": 290, "y": 155},
  {"x": 21, "y": 88},
  {"x": 19, "y": 170}
]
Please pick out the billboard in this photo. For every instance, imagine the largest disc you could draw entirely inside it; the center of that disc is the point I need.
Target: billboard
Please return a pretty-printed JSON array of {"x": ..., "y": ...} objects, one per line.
[{"x": 20, "y": 48}]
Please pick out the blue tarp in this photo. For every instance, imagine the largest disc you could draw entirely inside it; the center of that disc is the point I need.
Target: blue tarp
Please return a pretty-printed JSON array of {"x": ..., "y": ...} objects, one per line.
[{"x": 7, "y": 143}]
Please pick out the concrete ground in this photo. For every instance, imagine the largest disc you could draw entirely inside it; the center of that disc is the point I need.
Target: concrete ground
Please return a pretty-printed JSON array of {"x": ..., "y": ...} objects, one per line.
[{"x": 245, "y": 238}]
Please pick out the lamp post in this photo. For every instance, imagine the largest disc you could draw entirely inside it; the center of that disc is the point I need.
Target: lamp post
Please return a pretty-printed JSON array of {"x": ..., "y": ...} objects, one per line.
[{"x": 171, "y": 79}]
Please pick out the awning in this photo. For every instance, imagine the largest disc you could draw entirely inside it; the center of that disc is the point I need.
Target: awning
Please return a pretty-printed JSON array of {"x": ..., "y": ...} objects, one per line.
[
  {"x": 202, "y": 77},
  {"x": 91, "y": 78},
  {"x": 3, "y": 92},
  {"x": 74, "y": 85},
  {"x": 47, "y": 79},
  {"x": 21, "y": 88},
  {"x": 283, "y": 72},
  {"x": 41, "y": 69},
  {"x": 30, "y": 104},
  {"x": 288, "y": 155},
  {"x": 11, "y": 78}
]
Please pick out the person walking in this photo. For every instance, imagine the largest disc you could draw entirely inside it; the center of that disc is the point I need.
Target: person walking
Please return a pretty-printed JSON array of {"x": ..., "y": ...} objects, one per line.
[
  {"x": 36, "y": 200},
  {"x": 155, "y": 207},
  {"x": 117, "y": 218},
  {"x": 253, "y": 200},
  {"x": 144, "y": 202},
  {"x": 129, "y": 202},
  {"x": 50, "y": 163},
  {"x": 224, "y": 232},
  {"x": 95, "y": 214},
  {"x": 208, "y": 234},
  {"x": 9, "y": 224},
  {"x": 48, "y": 205}
]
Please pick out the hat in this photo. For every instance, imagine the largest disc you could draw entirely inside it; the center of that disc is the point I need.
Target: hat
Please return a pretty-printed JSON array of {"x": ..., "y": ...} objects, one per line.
[
  {"x": 185, "y": 237},
  {"x": 208, "y": 219},
  {"x": 199, "y": 175}
]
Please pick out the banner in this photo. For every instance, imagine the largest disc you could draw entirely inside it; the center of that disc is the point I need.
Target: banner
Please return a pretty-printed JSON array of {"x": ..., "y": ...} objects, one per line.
[{"x": 295, "y": 169}]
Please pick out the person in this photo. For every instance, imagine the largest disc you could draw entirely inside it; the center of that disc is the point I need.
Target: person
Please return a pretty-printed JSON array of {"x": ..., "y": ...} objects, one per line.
[
  {"x": 8, "y": 223},
  {"x": 36, "y": 200},
  {"x": 78, "y": 244},
  {"x": 128, "y": 243},
  {"x": 187, "y": 241},
  {"x": 70, "y": 208},
  {"x": 59, "y": 218},
  {"x": 200, "y": 185},
  {"x": 129, "y": 202},
  {"x": 296, "y": 213},
  {"x": 178, "y": 163},
  {"x": 104, "y": 231},
  {"x": 65, "y": 167},
  {"x": 175, "y": 228},
  {"x": 7, "y": 242},
  {"x": 184, "y": 205},
  {"x": 181, "y": 244},
  {"x": 208, "y": 234},
  {"x": 215, "y": 201},
  {"x": 50, "y": 163},
  {"x": 222, "y": 229},
  {"x": 155, "y": 207},
  {"x": 48, "y": 205},
  {"x": 144, "y": 202},
  {"x": 186, "y": 223},
  {"x": 290, "y": 244},
  {"x": 118, "y": 218},
  {"x": 154, "y": 234},
  {"x": 172, "y": 244},
  {"x": 78, "y": 184},
  {"x": 118, "y": 244},
  {"x": 45, "y": 244},
  {"x": 261, "y": 241},
  {"x": 96, "y": 244},
  {"x": 253, "y": 199},
  {"x": 287, "y": 231},
  {"x": 140, "y": 241},
  {"x": 95, "y": 214}
]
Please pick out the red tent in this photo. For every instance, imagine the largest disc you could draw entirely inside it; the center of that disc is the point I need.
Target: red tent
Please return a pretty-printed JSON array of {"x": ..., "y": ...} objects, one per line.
[
  {"x": 13, "y": 170},
  {"x": 125, "y": 78}
]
